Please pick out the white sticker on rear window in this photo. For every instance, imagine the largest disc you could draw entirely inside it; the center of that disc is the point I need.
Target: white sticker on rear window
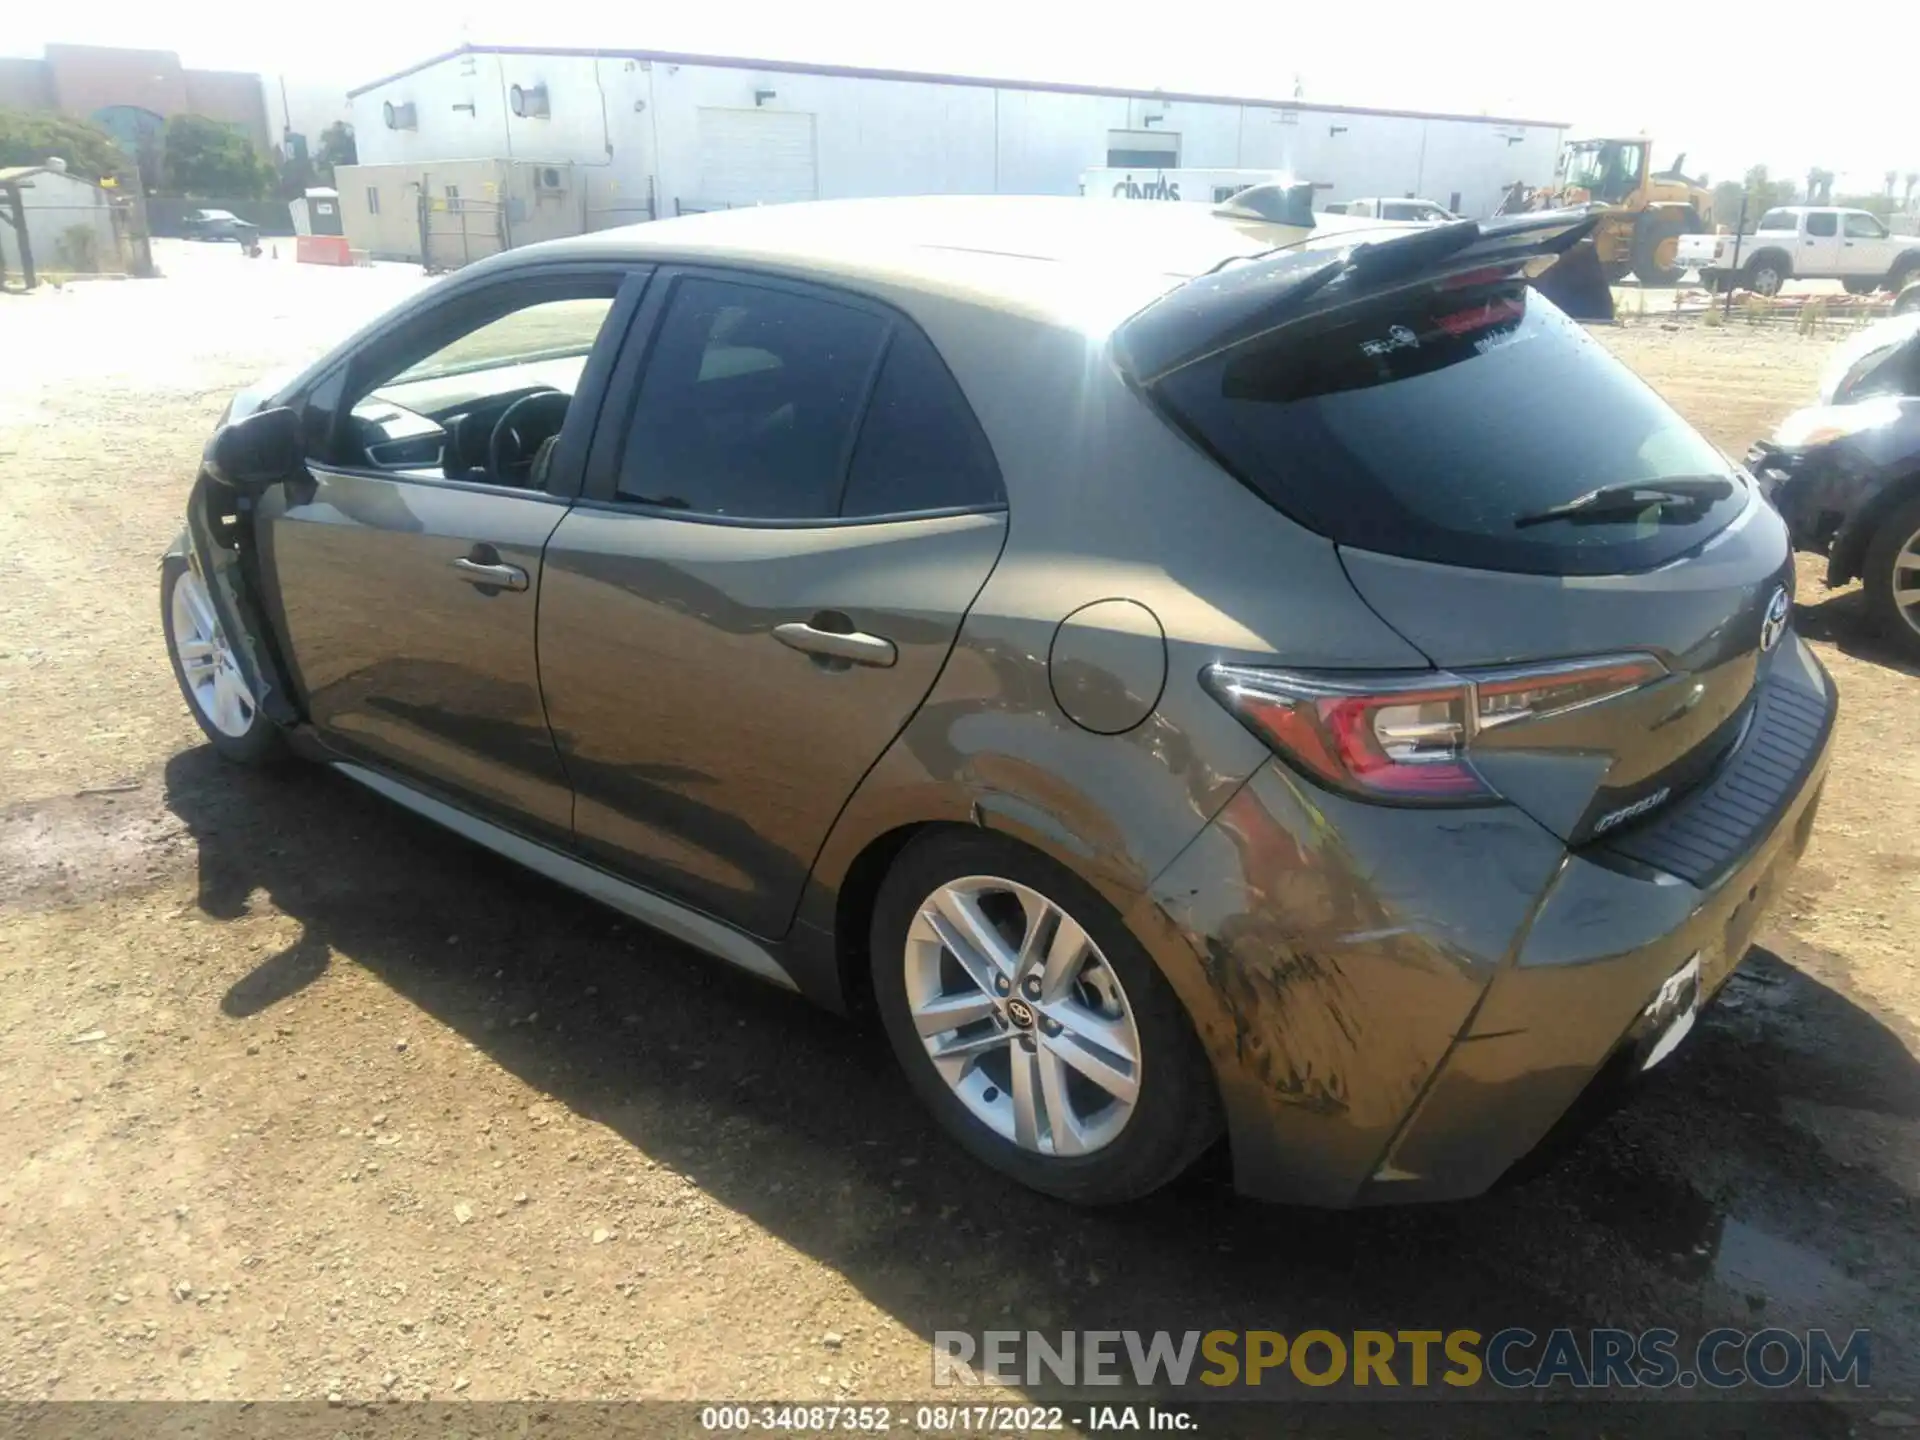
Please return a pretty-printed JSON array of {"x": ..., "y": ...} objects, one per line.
[{"x": 1398, "y": 338}]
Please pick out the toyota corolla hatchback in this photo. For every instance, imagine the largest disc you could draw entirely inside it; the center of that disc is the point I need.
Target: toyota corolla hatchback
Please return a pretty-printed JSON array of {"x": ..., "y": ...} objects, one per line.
[{"x": 1184, "y": 678}]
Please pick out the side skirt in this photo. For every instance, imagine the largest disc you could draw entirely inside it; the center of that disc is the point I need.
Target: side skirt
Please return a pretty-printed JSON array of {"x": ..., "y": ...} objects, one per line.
[{"x": 704, "y": 933}]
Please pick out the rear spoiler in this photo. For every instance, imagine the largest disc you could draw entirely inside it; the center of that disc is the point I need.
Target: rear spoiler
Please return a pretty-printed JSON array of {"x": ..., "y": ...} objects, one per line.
[{"x": 1216, "y": 312}]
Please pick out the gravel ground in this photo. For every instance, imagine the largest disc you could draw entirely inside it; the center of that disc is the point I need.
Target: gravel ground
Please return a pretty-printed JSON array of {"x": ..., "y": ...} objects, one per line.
[{"x": 306, "y": 1099}]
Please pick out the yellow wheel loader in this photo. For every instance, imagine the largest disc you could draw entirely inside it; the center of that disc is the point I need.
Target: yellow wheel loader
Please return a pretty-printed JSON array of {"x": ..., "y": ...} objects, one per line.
[{"x": 1644, "y": 212}]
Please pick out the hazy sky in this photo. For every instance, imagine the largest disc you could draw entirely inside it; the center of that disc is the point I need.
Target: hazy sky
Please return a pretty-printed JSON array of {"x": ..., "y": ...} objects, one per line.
[{"x": 1730, "y": 96}]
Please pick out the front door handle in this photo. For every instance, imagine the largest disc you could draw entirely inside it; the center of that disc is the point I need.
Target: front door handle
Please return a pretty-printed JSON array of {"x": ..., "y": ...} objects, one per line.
[
  {"x": 502, "y": 577},
  {"x": 849, "y": 645}
]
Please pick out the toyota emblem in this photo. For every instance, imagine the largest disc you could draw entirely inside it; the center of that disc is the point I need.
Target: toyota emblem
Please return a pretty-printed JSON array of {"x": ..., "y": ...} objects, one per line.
[{"x": 1774, "y": 625}]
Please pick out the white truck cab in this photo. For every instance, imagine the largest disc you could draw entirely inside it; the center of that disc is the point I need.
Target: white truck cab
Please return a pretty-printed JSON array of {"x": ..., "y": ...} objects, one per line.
[{"x": 1807, "y": 242}]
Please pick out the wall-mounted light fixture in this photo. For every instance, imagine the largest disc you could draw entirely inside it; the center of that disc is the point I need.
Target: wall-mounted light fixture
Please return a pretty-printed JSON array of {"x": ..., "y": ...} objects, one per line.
[{"x": 760, "y": 97}]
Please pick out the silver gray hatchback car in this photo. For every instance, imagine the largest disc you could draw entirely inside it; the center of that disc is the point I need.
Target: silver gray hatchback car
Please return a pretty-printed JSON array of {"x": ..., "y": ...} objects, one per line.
[{"x": 1185, "y": 673}]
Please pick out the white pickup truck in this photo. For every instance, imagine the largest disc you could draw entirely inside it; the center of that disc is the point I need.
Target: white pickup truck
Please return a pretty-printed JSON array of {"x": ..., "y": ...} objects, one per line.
[
  {"x": 1424, "y": 212},
  {"x": 1806, "y": 242}
]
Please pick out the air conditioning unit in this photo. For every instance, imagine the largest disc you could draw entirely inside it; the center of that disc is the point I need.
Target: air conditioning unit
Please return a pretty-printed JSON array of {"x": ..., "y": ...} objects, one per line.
[
  {"x": 529, "y": 102},
  {"x": 400, "y": 117},
  {"x": 550, "y": 180}
]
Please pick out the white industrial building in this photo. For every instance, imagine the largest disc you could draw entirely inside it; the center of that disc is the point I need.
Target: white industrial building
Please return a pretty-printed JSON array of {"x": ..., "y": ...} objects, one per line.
[{"x": 487, "y": 146}]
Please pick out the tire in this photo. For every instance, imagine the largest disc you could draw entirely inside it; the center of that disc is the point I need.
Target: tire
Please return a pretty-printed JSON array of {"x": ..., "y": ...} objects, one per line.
[
  {"x": 1652, "y": 235},
  {"x": 1860, "y": 287},
  {"x": 231, "y": 722},
  {"x": 1765, "y": 273},
  {"x": 1905, "y": 271},
  {"x": 1893, "y": 567},
  {"x": 1909, "y": 301},
  {"x": 1101, "y": 1155}
]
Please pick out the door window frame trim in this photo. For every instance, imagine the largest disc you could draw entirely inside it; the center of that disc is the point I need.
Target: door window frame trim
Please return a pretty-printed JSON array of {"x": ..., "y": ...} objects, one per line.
[
  {"x": 599, "y": 490},
  {"x": 567, "y": 465}
]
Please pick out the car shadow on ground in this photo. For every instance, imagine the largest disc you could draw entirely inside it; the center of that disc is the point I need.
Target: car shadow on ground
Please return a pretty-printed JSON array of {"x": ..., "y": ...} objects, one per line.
[
  {"x": 1841, "y": 619},
  {"x": 797, "y": 1119}
]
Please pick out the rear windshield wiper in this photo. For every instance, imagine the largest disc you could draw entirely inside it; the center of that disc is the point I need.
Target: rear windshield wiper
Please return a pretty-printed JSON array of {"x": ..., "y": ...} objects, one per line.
[{"x": 1634, "y": 498}]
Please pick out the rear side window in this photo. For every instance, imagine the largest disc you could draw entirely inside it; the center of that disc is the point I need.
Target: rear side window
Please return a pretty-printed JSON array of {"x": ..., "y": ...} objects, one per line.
[
  {"x": 1432, "y": 427},
  {"x": 1776, "y": 220},
  {"x": 920, "y": 447},
  {"x": 749, "y": 403},
  {"x": 1823, "y": 225}
]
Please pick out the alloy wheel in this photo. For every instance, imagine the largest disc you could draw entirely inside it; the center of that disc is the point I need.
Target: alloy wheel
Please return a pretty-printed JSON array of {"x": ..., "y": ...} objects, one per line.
[
  {"x": 1023, "y": 1017},
  {"x": 1906, "y": 582},
  {"x": 207, "y": 665}
]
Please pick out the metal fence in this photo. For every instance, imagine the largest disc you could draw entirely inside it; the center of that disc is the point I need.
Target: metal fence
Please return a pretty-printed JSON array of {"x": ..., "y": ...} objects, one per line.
[
  {"x": 40, "y": 240},
  {"x": 456, "y": 232}
]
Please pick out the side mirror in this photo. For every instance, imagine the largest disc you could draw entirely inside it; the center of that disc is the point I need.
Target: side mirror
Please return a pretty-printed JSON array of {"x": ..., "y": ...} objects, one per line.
[{"x": 252, "y": 453}]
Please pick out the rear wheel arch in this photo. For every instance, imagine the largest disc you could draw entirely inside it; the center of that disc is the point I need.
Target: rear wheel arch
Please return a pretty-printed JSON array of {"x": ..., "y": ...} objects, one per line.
[
  {"x": 853, "y": 911},
  {"x": 1180, "y": 1113},
  {"x": 1010, "y": 817}
]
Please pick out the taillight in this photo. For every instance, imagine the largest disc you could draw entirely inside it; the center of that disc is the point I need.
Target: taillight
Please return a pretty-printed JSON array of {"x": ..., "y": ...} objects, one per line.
[{"x": 1406, "y": 737}]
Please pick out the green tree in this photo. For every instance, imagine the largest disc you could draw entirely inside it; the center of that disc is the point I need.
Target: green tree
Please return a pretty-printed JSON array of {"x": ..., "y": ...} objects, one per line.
[
  {"x": 31, "y": 137},
  {"x": 336, "y": 148},
  {"x": 1881, "y": 205},
  {"x": 204, "y": 158},
  {"x": 1760, "y": 193}
]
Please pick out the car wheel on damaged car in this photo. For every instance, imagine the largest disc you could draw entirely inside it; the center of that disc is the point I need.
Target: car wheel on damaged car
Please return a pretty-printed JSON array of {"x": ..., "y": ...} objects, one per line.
[{"x": 1072, "y": 656}]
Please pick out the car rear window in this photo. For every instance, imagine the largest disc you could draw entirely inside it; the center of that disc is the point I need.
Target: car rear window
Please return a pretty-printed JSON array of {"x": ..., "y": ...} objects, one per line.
[{"x": 1429, "y": 426}]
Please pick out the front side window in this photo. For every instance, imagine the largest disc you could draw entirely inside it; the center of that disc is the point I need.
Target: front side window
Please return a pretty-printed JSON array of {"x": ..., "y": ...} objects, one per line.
[
  {"x": 749, "y": 403},
  {"x": 1864, "y": 227},
  {"x": 427, "y": 402}
]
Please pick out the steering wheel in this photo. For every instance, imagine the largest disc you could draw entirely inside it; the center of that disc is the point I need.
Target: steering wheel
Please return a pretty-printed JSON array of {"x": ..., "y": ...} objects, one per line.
[{"x": 519, "y": 431}]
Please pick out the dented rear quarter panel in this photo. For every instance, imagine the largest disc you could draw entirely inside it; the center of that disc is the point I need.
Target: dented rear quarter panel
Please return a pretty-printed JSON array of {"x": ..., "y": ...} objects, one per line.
[{"x": 1322, "y": 1009}]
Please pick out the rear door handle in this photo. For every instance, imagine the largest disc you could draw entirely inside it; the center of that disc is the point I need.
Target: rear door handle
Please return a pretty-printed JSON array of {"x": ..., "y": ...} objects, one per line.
[
  {"x": 503, "y": 577},
  {"x": 851, "y": 645}
]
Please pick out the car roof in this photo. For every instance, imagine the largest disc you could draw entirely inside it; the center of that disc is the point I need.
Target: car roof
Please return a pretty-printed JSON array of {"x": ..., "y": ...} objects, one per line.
[{"x": 1088, "y": 263}]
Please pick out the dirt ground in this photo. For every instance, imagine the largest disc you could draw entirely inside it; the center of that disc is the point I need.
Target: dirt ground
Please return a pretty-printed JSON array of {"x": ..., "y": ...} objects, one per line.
[{"x": 303, "y": 1098}]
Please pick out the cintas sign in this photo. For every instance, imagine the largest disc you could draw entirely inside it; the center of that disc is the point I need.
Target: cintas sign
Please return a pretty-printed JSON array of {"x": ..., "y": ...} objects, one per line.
[{"x": 1197, "y": 187}]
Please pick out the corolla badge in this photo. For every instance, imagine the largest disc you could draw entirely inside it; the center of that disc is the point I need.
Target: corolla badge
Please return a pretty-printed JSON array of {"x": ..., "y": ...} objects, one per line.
[{"x": 1775, "y": 624}]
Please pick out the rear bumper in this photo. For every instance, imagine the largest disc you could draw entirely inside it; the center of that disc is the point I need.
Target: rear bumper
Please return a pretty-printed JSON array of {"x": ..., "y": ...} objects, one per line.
[{"x": 1414, "y": 1001}]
